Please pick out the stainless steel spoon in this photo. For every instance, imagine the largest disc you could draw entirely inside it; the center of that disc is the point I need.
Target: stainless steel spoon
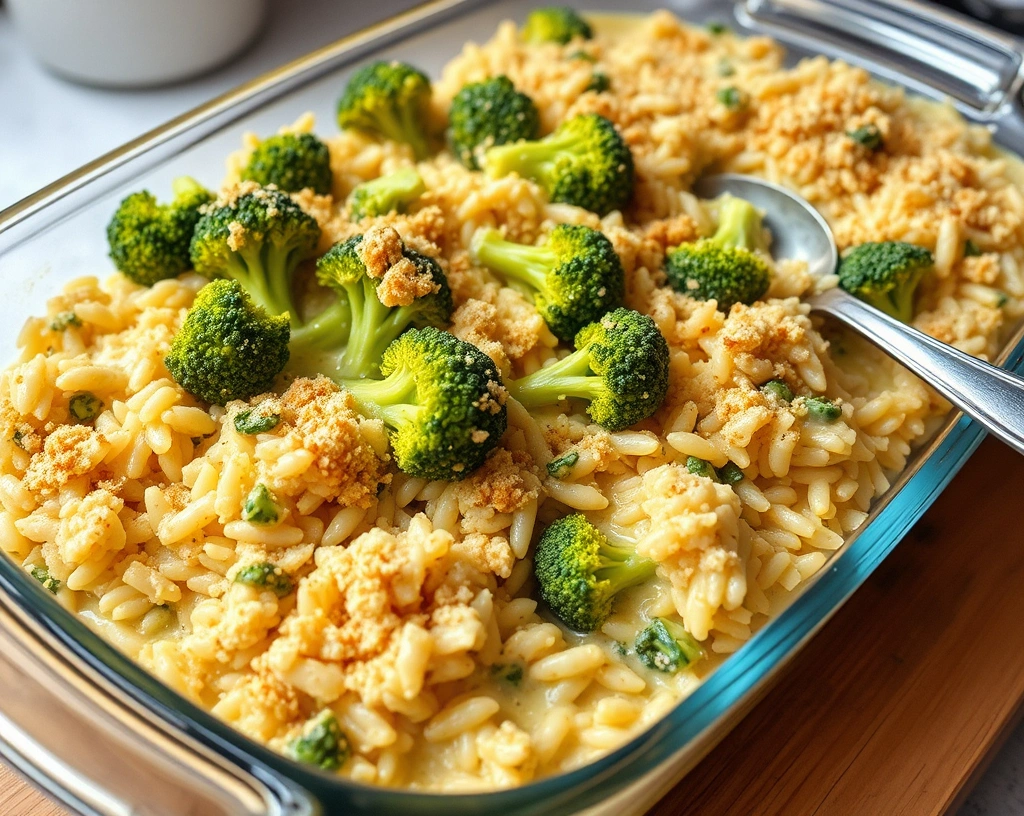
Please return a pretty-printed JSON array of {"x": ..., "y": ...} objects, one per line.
[{"x": 989, "y": 395}]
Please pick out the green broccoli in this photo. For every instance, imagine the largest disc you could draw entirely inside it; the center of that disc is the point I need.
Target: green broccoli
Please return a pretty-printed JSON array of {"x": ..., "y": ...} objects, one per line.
[
  {"x": 664, "y": 645},
  {"x": 62, "y": 321},
  {"x": 732, "y": 98},
  {"x": 725, "y": 267},
  {"x": 253, "y": 421},
  {"x": 574, "y": 277},
  {"x": 701, "y": 467},
  {"x": 585, "y": 162},
  {"x": 149, "y": 241},
  {"x": 85, "y": 406},
  {"x": 488, "y": 113},
  {"x": 291, "y": 162},
  {"x": 562, "y": 466},
  {"x": 971, "y": 249},
  {"x": 730, "y": 473},
  {"x": 778, "y": 389},
  {"x": 599, "y": 82},
  {"x": 261, "y": 507},
  {"x": 390, "y": 193},
  {"x": 371, "y": 326},
  {"x": 511, "y": 673},
  {"x": 580, "y": 570},
  {"x": 389, "y": 99},
  {"x": 867, "y": 136},
  {"x": 821, "y": 409},
  {"x": 227, "y": 347},
  {"x": 264, "y": 575},
  {"x": 322, "y": 743},
  {"x": 886, "y": 275},
  {"x": 620, "y": 365},
  {"x": 557, "y": 24},
  {"x": 42, "y": 575},
  {"x": 258, "y": 239},
  {"x": 442, "y": 401}
]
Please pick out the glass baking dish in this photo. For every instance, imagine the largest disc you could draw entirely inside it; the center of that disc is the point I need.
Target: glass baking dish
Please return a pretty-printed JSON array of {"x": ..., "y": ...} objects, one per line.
[{"x": 98, "y": 733}]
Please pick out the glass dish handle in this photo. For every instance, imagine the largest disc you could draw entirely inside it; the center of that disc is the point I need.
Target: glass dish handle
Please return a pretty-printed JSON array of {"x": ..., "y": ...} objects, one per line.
[{"x": 922, "y": 46}]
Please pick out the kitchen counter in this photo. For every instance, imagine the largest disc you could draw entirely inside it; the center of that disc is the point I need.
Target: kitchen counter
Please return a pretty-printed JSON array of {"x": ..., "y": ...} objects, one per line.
[{"x": 50, "y": 127}]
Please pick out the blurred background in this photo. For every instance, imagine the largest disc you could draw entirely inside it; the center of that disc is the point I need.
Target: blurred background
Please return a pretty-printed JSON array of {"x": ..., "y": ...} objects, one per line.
[{"x": 51, "y": 125}]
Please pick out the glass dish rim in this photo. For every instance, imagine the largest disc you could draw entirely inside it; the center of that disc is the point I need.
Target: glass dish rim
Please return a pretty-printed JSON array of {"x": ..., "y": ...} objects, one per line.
[{"x": 772, "y": 647}]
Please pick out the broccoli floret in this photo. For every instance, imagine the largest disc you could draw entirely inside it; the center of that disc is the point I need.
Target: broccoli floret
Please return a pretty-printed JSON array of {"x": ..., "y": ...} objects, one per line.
[
  {"x": 322, "y": 743},
  {"x": 558, "y": 24},
  {"x": 732, "y": 98},
  {"x": 265, "y": 575},
  {"x": 442, "y": 401},
  {"x": 389, "y": 99},
  {"x": 886, "y": 275},
  {"x": 585, "y": 162},
  {"x": 574, "y": 277},
  {"x": 730, "y": 473},
  {"x": 867, "y": 136},
  {"x": 511, "y": 673},
  {"x": 227, "y": 348},
  {"x": 261, "y": 507},
  {"x": 291, "y": 162},
  {"x": 580, "y": 570},
  {"x": 666, "y": 646},
  {"x": 971, "y": 249},
  {"x": 372, "y": 326},
  {"x": 149, "y": 241},
  {"x": 62, "y": 321},
  {"x": 391, "y": 193},
  {"x": 716, "y": 28},
  {"x": 85, "y": 406},
  {"x": 725, "y": 267},
  {"x": 821, "y": 409},
  {"x": 252, "y": 421},
  {"x": 620, "y": 365},
  {"x": 599, "y": 82},
  {"x": 778, "y": 389},
  {"x": 701, "y": 467},
  {"x": 562, "y": 466},
  {"x": 488, "y": 113},
  {"x": 42, "y": 575},
  {"x": 258, "y": 240}
]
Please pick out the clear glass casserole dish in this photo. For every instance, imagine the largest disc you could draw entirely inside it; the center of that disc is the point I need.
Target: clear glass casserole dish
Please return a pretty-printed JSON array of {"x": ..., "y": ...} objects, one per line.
[{"x": 111, "y": 715}]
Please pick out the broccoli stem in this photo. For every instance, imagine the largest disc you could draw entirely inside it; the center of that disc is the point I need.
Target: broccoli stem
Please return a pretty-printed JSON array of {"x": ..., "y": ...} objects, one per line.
[
  {"x": 326, "y": 330},
  {"x": 739, "y": 224},
  {"x": 519, "y": 262},
  {"x": 403, "y": 128},
  {"x": 623, "y": 568},
  {"x": 536, "y": 160},
  {"x": 263, "y": 271},
  {"x": 373, "y": 328},
  {"x": 390, "y": 399},
  {"x": 569, "y": 377}
]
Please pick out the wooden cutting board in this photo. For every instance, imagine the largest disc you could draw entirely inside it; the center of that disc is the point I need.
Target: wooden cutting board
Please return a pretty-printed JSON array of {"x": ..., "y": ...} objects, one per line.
[{"x": 896, "y": 704}]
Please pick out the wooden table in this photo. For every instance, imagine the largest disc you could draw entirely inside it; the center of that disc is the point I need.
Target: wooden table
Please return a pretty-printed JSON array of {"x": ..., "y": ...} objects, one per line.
[{"x": 894, "y": 707}]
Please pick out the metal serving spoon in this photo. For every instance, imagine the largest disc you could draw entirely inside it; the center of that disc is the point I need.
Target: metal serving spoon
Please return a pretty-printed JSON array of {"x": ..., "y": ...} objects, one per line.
[{"x": 989, "y": 395}]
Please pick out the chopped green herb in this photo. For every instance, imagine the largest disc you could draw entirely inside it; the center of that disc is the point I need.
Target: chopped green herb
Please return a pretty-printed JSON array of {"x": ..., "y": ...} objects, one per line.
[
  {"x": 63, "y": 320},
  {"x": 265, "y": 575},
  {"x": 867, "y": 136},
  {"x": 715, "y": 27},
  {"x": 253, "y": 422},
  {"x": 559, "y": 468},
  {"x": 620, "y": 648},
  {"x": 18, "y": 438},
  {"x": 779, "y": 390},
  {"x": 822, "y": 410},
  {"x": 700, "y": 467},
  {"x": 511, "y": 673},
  {"x": 323, "y": 744},
  {"x": 732, "y": 98},
  {"x": 666, "y": 646},
  {"x": 583, "y": 56},
  {"x": 1002, "y": 300},
  {"x": 730, "y": 473},
  {"x": 42, "y": 575},
  {"x": 971, "y": 249},
  {"x": 261, "y": 507},
  {"x": 599, "y": 82},
  {"x": 85, "y": 406}
]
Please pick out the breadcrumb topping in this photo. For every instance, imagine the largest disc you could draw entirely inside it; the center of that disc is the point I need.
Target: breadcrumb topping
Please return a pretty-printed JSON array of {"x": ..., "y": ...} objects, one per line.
[{"x": 70, "y": 451}]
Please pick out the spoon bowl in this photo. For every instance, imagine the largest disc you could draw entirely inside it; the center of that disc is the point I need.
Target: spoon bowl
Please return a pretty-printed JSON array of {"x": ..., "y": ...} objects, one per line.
[{"x": 989, "y": 395}]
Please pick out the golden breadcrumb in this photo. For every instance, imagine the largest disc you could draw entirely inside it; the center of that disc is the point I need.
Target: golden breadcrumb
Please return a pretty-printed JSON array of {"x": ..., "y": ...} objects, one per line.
[{"x": 68, "y": 452}]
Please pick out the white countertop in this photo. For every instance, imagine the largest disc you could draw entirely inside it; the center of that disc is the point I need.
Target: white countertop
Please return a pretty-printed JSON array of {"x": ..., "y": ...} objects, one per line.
[{"x": 50, "y": 126}]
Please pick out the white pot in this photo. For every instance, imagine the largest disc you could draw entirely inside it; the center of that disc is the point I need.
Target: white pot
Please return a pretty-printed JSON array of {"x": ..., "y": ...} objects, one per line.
[{"x": 131, "y": 43}]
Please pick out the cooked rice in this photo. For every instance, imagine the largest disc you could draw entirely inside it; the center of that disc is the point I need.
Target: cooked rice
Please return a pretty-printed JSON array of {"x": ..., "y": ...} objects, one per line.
[{"x": 415, "y": 601}]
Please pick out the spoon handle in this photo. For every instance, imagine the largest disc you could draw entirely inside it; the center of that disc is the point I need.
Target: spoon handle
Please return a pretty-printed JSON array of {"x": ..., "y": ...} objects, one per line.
[{"x": 989, "y": 395}]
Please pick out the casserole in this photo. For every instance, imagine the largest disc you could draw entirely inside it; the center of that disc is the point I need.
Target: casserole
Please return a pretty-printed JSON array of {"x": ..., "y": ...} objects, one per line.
[{"x": 692, "y": 727}]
